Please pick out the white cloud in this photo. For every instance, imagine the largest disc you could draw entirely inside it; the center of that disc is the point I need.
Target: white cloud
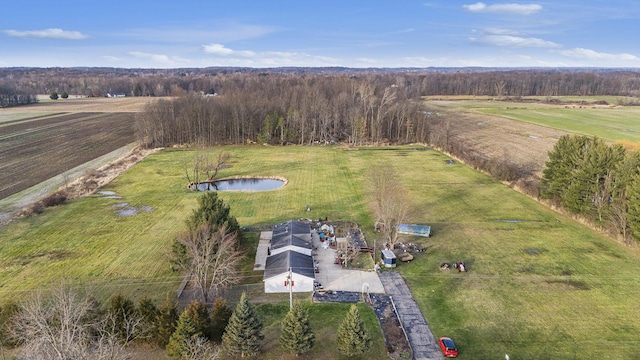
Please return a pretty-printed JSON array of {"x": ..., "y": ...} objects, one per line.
[
  {"x": 226, "y": 32},
  {"x": 224, "y": 56},
  {"x": 163, "y": 59},
  {"x": 498, "y": 31},
  {"x": 111, "y": 58},
  {"x": 221, "y": 50},
  {"x": 509, "y": 8},
  {"x": 48, "y": 34},
  {"x": 367, "y": 61},
  {"x": 217, "y": 49},
  {"x": 588, "y": 54},
  {"x": 513, "y": 41}
]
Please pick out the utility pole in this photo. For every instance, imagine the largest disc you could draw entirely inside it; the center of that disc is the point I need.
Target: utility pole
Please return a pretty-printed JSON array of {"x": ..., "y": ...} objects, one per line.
[{"x": 289, "y": 283}]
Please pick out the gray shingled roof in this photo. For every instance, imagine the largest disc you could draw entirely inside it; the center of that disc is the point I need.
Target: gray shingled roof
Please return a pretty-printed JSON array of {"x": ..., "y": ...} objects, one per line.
[
  {"x": 291, "y": 233},
  {"x": 299, "y": 263}
]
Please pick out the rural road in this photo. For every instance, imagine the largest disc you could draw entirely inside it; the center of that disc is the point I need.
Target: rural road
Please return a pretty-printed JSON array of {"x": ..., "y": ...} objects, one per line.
[{"x": 423, "y": 344}]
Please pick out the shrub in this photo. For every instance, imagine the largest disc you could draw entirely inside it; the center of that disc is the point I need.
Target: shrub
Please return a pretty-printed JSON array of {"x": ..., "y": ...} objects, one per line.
[{"x": 54, "y": 199}]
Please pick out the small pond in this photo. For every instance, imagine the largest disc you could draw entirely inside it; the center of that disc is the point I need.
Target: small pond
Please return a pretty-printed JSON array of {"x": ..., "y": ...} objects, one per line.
[{"x": 249, "y": 184}]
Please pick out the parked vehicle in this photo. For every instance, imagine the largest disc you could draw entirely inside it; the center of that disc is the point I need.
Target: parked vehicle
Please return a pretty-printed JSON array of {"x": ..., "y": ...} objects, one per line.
[{"x": 448, "y": 347}]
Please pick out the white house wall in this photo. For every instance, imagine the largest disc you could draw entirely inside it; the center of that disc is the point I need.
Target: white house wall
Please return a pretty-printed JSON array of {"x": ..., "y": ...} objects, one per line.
[{"x": 275, "y": 284}]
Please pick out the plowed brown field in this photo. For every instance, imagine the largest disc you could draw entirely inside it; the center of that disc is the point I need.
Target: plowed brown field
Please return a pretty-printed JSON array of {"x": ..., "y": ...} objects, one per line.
[
  {"x": 33, "y": 150},
  {"x": 494, "y": 137}
]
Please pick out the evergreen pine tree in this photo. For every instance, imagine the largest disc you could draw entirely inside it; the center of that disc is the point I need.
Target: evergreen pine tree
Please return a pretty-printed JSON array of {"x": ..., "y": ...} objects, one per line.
[
  {"x": 165, "y": 323},
  {"x": 186, "y": 330},
  {"x": 242, "y": 336},
  {"x": 219, "y": 319},
  {"x": 200, "y": 315},
  {"x": 148, "y": 312},
  {"x": 566, "y": 156},
  {"x": 296, "y": 336},
  {"x": 214, "y": 212},
  {"x": 353, "y": 338},
  {"x": 193, "y": 322},
  {"x": 122, "y": 310},
  {"x": 633, "y": 210}
]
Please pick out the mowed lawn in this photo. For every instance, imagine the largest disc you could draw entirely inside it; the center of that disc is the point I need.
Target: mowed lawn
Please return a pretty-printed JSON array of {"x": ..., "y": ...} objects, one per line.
[
  {"x": 610, "y": 123},
  {"x": 539, "y": 285}
]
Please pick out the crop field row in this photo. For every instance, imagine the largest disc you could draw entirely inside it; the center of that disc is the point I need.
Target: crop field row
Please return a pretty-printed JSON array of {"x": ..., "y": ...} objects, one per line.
[
  {"x": 583, "y": 116},
  {"x": 535, "y": 278},
  {"x": 35, "y": 149}
]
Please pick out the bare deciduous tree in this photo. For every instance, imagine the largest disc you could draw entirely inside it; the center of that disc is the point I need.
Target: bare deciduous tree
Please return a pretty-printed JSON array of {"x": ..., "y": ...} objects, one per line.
[
  {"x": 390, "y": 201},
  {"x": 201, "y": 167},
  {"x": 58, "y": 326},
  {"x": 222, "y": 160},
  {"x": 199, "y": 348},
  {"x": 618, "y": 218},
  {"x": 213, "y": 258},
  {"x": 65, "y": 325}
]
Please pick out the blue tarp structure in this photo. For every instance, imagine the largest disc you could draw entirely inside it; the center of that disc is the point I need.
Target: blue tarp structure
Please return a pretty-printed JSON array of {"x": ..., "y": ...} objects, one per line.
[{"x": 413, "y": 229}]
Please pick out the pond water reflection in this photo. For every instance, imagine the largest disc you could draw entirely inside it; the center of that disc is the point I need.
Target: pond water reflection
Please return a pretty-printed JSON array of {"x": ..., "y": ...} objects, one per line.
[{"x": 250, "y": 184}]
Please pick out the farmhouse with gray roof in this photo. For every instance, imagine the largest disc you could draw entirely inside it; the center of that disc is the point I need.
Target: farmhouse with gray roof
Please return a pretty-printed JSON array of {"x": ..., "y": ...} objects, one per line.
[{"x": 290, "y": 248}]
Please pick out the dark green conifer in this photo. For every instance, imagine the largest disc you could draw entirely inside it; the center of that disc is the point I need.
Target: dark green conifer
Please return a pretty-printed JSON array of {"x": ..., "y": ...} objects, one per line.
[
  {"x": 193, "y": 322},
  {"x": 243, "y": 335},
  {"x": 353, "y": 339},
  {"x": 296, "y": 336},
  {"x": 165, "y": 323},
  {"x": 219, "y": 319},
  {"x": 122, "y": 310},
  {"x": 186, "y": 330}
]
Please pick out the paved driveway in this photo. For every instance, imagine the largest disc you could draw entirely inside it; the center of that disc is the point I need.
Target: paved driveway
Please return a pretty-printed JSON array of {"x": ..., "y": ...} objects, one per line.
[
  {"x": 423, "y": 344},
  {"x": 334, "y": 277},
  {"x": 262, "y": 250}
]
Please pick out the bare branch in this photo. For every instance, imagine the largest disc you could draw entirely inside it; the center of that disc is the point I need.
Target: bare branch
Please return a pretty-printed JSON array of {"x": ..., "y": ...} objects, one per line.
[
  {"x": 213, "y": 258},
  {"x": 390, "y": 201},
  {"x": 58, "y": 326},
  {"x": 199, "y": 348}
]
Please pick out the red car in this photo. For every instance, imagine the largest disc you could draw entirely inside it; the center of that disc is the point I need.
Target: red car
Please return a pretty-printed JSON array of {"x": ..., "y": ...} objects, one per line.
[{"x": 448, "y": 347}]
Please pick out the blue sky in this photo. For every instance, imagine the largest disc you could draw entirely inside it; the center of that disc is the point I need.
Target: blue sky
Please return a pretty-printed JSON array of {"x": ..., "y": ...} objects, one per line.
[{"x": 352, "y": 33}]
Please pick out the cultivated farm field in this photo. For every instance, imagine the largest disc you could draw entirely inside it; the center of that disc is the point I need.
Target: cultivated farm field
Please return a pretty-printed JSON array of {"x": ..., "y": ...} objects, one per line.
[
  {"x": 536, "y": 278},
  {"x": 38, "y": 148},
  {"x": 586, "y": 115},
  {"x": 52, "y": 142},
  {"x": 524, "y": 131}
]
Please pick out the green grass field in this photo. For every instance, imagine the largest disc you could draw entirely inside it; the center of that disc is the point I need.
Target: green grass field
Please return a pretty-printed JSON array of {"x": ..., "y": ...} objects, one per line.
[
  {"x": 539, "y": 285},
  {"x": 609, "y": 123}
]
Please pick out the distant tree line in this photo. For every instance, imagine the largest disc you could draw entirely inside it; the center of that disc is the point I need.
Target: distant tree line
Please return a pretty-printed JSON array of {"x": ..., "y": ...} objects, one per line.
[
  {"x": 11, "y": 97},
  {"x": 429, "y": 81},
  {"x": 597, "y": 181}
]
